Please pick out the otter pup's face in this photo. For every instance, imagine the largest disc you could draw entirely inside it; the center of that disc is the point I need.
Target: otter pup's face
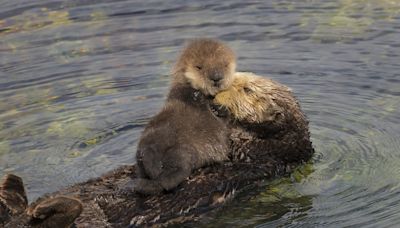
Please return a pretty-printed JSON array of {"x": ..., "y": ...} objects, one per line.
[
  {"x": 208, "y": 65},
  {"x": 249, "y": 99}
]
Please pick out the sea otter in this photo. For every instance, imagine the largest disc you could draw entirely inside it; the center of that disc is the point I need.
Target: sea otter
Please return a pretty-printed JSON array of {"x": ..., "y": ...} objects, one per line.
[
  {"x": 255, "y": 155},
  {"x": 186, "y": 135},
  {"x": 58, "y": 211},
  {"x": 269, "y": 112}
]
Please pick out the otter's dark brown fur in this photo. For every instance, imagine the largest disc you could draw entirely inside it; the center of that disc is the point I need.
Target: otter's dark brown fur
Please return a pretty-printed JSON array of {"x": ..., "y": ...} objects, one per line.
[
  {"x": 13, "y": 198},
  {"x": 197, "y": 196},
  {"x": 58, "y": 211},
  {"x": 186, "y": 135},
  {"x": 205, "y": 190}
]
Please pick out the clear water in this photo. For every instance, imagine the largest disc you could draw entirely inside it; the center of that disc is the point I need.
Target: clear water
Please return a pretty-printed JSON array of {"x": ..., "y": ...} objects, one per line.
[{"x": 80, "y": 79}]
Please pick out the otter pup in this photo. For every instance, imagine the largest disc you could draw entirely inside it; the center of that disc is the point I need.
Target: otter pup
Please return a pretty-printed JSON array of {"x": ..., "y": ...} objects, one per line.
[
  {"x": 60, "y": 211},
  {"x": 186, "y": 135},
  {"x": 268, "y": 111}
]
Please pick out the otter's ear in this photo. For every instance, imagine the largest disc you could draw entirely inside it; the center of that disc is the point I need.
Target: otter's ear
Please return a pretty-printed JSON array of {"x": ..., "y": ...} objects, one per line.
[{"x": 12, "y": 194}]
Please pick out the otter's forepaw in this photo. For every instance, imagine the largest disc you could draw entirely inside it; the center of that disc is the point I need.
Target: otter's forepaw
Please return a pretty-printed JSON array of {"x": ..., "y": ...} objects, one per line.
[
  {"x": 196, "y": 95},
  {"x": 219, "y": 110}
]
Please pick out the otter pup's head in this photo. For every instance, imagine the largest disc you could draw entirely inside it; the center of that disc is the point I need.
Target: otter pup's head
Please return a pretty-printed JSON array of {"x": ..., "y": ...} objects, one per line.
[
  {"x": 207, "y": 64},
  {"x": 251, "y": 98}
]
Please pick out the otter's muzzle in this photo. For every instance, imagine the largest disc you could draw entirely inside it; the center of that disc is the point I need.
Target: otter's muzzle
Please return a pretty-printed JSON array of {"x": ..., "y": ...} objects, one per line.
[{"x": 216, "y": 77}]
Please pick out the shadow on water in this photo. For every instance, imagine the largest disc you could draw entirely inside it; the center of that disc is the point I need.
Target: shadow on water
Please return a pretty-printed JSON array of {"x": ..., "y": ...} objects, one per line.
[{"x": 80, "y": 79}]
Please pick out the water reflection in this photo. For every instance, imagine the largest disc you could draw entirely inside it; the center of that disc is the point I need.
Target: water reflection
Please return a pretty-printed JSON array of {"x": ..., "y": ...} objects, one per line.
[{"x": 80, "y": 79}]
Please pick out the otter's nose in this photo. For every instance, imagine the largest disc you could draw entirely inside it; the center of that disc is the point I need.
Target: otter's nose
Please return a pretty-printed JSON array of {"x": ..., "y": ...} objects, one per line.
[{"x": 216, "y": 77}]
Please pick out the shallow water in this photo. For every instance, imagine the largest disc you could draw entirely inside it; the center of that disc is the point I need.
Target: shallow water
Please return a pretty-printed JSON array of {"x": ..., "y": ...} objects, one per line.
[{"x": 80, "y": 79}]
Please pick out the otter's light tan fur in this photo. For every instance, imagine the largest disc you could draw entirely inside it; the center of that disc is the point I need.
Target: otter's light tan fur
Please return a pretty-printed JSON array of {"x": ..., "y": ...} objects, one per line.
[{"x": 252, "y": 97}]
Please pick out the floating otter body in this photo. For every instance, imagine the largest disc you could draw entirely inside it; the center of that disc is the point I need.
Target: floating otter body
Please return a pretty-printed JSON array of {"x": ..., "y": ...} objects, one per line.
[
  {"x": 255, "y": 155},
  {"x": 270, "y": 114},
  {"x": 186, "y": 135},
  {"x": 268, "y": 138},
  {"x": 196, "y": 197}
]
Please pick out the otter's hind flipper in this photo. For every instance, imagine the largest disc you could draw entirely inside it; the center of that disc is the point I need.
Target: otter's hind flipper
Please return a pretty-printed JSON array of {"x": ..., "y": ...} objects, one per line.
[
  {"x": 13, "y": 198},
  {"x": 60, "y": 211}
]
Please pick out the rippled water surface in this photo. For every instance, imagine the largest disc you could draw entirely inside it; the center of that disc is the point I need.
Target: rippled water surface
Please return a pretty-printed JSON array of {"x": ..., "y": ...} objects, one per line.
[{"x": 80, "y": 79}]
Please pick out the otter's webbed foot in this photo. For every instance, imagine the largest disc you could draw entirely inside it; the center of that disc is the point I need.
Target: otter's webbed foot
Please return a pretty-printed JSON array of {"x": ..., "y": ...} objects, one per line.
[
  {"x": 13, "y": 199},
  {"x": 60, "y": 211}
]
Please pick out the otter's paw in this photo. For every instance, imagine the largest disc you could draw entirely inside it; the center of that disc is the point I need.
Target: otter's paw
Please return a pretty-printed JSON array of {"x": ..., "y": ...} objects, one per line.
[{"x": 219, "y": 110}]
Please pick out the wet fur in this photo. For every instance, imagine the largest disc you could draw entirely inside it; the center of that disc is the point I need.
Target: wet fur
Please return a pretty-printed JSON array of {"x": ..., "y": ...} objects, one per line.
[
  {"x": 269, "y": 111},
  {"x": 258, "y": 150},
  {"x": 13, "y": 198},
  {"x": 198, "y": 196},
  {"x": 255, "y": 155},
  {"x": 186, "y": 135},
  {"x": 58, "y": 211},
  {"x": 202, "y": 60}
]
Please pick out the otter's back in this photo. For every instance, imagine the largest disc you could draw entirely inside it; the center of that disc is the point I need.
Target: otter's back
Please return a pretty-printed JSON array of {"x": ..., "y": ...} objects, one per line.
[{"x": 189, "y": 126}]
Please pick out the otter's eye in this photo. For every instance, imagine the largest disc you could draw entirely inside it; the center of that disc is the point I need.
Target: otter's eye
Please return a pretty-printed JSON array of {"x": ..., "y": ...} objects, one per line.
[
  {"x": 199, "y": 67},
  {"x": 247, "y": 90}
]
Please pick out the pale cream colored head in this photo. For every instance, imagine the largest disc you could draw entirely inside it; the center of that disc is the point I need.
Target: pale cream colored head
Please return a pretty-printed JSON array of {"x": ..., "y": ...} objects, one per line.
[
  {"x": 251, "y": 98},
  {"x": 207, "y": 64}
]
